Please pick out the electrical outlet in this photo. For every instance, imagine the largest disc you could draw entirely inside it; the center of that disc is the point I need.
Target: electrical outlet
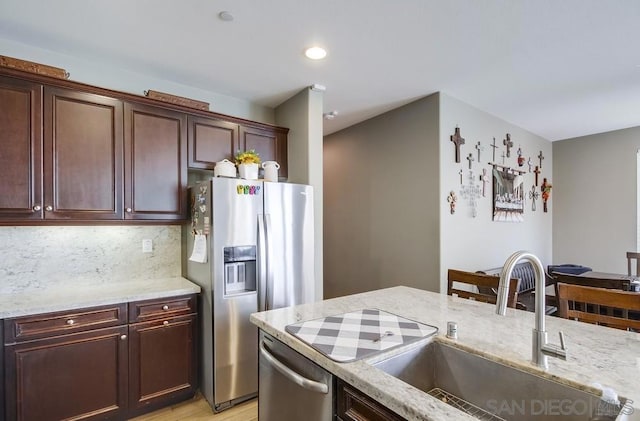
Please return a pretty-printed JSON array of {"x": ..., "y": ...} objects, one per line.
[{"x": 147, "y": 246}]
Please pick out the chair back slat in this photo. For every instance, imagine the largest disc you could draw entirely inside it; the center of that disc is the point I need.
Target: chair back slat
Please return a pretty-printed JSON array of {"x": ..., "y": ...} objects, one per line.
[
  {"x": 608, "y": 307},
  {"x": 632, "y": 255},
  {"x": 487, "y": 286}
]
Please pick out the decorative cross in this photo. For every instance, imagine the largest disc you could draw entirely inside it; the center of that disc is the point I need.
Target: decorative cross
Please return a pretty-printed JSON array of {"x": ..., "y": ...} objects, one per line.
[
  {"x": 537, "y": 171},
  {"x": 457, "y": 140},
  {"x": 471, "y": 192},
  {"x": 520, "y": 157},
  {"x": 508, "y": 143},
  {"x": 484, "y": 180},
  {"x": 452, "y": 199},
  {"x": 494, "y": 146},
  {"x": 529, "y": 163},
  {"x": 533, "y": 195},
  {"x": 546, "y": 192},
  {"x": 470, "y": 159},
  {"x": 503, "y": 157},
  {"x": 460, "y": 172},
  {"x": 479, "y": 147},
  {"x": 540, "y": 157}
]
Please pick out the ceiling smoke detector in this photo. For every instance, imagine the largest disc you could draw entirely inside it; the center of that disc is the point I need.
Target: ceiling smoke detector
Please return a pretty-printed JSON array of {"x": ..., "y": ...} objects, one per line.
[
  {"x": 330, "y": 115},
  {"x": 225, "y": 16}
]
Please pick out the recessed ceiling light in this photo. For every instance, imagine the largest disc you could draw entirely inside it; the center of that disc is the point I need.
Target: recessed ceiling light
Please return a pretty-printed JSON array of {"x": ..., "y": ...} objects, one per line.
[
  {"x": 225, "y": 16},
  {"x": 315, "y": 53}
]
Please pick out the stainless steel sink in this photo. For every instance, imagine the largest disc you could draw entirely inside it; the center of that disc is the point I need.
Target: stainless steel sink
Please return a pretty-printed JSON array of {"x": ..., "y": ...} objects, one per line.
[{"x": 490, "y": 390}]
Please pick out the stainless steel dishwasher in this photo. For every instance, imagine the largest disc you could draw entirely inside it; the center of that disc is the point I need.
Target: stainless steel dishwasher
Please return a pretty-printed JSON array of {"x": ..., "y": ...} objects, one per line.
[{"x": 292, "y": 387}]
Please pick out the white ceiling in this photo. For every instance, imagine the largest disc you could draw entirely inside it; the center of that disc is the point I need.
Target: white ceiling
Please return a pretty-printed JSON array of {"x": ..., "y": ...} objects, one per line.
[{"x": 559, "y": 69}]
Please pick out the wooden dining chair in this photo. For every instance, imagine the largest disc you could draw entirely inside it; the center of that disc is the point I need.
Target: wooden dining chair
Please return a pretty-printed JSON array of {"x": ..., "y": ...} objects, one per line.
[
  {"x": 605, "y": 283},
  {"x": 487, "y": 287},
  {"x": 618, "y": 305},
  {"x": 635, "y": 256}
]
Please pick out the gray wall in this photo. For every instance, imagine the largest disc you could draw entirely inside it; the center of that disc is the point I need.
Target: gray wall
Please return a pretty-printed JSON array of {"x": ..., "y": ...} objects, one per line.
[
  {"x": 387, "y": 220},
  {"x": 302, "y": 114},
  {"x": 381, "y": 208},
  {"x": 469, "y": 243},
  {"x": 594, "y": 195}
]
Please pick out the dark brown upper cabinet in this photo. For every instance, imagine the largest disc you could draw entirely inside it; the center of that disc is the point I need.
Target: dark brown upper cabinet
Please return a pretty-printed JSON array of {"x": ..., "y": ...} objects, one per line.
[
  {"x": 271, "y": 145},
  {"x": 155, "y": 163},
  {"x": 75, "y": 153},
  {"x": 20, "y": 149},
  {"x": 82, "y": 156},
  {"x": 210, "y": 141}
]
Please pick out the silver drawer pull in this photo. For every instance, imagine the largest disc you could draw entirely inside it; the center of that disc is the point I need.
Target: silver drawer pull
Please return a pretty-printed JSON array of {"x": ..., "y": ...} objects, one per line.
[
  {"x": 49, "y": 208},
  {"x": 37, "y": 208},
  {"x": 70, "y": 322},
  {"x": 165, "y": 307},
  {"x": 166, "y": 322},
  {"x": 123, "y": 337}
]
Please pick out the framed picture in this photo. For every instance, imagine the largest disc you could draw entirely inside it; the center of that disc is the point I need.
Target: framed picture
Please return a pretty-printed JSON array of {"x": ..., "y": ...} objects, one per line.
[{"x": 508, "y": 196}]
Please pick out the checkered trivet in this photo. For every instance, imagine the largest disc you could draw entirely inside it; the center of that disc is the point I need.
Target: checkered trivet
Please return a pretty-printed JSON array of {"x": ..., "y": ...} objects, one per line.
[{"x": 351, "y": 336}]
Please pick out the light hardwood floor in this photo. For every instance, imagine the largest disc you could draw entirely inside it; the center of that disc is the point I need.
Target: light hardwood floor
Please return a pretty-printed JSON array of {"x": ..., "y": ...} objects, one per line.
[{"x": 197, "y": 409}]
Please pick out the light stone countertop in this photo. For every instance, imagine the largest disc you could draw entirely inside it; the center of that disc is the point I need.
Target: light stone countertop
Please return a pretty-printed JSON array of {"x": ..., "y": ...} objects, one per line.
[
  {"x": 607, "y": 356},
  {"x": 82, "y": 294}
]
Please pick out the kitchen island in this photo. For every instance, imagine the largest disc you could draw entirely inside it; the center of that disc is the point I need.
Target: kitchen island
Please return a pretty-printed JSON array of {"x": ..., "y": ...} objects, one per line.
[{"x": 596, "y": 354}]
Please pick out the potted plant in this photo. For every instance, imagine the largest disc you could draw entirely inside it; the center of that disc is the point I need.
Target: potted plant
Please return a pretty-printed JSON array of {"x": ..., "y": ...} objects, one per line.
[{"x": 248, "y": 164}]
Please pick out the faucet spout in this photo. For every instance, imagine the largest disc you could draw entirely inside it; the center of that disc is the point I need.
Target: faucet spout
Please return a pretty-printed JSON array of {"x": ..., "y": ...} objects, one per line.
[{"x": 540, "y": 348}]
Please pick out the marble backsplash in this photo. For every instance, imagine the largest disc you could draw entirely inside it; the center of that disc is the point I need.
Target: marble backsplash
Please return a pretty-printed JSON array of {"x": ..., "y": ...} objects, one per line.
[{"x": 44, "y": 257}]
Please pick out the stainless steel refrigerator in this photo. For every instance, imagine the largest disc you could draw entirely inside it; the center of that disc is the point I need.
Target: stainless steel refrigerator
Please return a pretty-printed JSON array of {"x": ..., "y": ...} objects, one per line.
[{"x": 259, "y": 256}]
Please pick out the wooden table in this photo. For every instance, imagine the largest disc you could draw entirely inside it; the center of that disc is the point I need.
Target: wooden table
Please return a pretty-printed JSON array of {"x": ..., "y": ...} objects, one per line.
[{"x": 635, "y": 282}]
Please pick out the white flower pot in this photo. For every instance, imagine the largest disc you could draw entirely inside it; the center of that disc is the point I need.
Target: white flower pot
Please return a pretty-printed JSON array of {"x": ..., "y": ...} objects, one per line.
[{"x": 248, "y": 171}]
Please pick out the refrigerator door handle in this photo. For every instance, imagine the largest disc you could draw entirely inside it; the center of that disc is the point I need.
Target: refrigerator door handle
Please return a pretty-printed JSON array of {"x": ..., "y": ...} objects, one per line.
[
  {"x": 269, "y": 263},
  {"x": 297, "y": 378},
  {"x": 262, "y": 264}
]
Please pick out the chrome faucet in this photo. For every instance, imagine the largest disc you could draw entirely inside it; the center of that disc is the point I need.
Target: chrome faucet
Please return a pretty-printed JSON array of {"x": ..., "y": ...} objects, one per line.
[{"x": 540, "y": 347}]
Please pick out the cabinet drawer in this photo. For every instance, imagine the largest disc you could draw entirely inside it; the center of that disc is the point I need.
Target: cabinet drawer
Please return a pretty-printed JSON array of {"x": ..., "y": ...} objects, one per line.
[
  {"x": 161, "y": 308},
  {"x": 353, "y": 405},
  {"x": 52, "y": 324}
]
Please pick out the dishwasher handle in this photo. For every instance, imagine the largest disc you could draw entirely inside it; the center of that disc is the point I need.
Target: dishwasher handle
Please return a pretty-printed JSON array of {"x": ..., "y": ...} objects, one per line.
[{"x": 302, "y": 381}]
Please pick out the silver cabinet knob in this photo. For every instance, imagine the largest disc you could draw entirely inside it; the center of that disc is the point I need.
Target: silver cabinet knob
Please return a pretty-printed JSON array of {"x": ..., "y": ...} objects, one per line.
[
  {"x": 123, "y": 337},
  {"x": 37, "y": 208},
  {"x": 165, "y": 307},
  {"x": 70, "y": 322},
  {"x": 49, "y": 208},
  {"x": 166, "y": 322},
  {"x": 128, "y": 210}
]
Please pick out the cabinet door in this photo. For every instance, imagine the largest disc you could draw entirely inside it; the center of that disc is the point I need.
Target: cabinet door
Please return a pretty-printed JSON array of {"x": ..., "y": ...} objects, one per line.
[
  {"x": 20, "y": 149},
  {"x": 162, "y": 363},
  {"x": 155, "y": 163},
  {"x": 80, "y": 376},
  {"x": 211, "y": 141},
  {"x": 271, "y": 145},
  {"x": 82, "y": 155}
]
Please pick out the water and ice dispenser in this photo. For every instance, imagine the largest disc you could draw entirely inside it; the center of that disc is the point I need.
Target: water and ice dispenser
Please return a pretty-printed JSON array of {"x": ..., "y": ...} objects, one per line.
[{"x": 239, "y": 269}]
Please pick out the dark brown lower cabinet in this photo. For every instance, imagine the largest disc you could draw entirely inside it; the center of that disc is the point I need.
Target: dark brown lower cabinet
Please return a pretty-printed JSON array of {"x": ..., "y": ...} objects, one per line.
[
  {"x": 162, "y": 363},
  {"x": 99, "y": 363},
  {"x": 81, "y": 376},
  {"x": 353, "y": 405}
]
